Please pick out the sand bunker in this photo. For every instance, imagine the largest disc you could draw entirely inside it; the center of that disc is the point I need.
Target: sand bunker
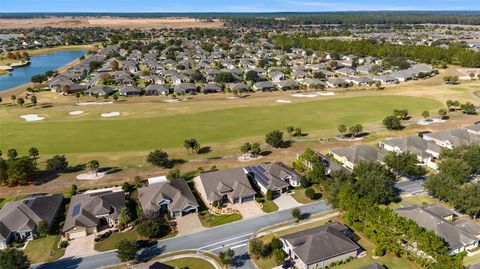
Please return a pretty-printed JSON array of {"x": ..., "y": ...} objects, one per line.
[
  {"x": 429, "y": 121},
  {"x": 32, "y": 117},
  {"x": 91, "y": 176},
  {"x": 76, "y": 112},
  {"x": 325, "y": 93},
  {"x": 232, "y": 97},
  {"x": 304, "y": 95},
  {"x": 173, "y": 100},
  {"x": 95, "y": 103},
  {"x": 283, "y": 101},
  {"x": 110, "y": 114}
]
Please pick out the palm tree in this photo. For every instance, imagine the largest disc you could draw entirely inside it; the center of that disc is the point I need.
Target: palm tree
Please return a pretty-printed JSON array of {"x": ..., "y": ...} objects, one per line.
[
  {"x": 342, "y": 128},
  {"x": 20, "y": 101},
  {"x": 33, "y": 99},
  {"x": 77, "y": 95},
  {"x": 93, "y": 166},
  {"x": 13, "y": 98},
  {"x": 425, "y": 114},
  {"x": 33, "y": 153},
  {"x": 186, "y": 144}
]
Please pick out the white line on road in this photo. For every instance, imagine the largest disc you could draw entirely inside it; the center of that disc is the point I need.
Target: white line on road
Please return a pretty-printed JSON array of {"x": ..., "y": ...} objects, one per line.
[
  {"x": 220, "y": 242},
  {"x": 228, "y": 245}
]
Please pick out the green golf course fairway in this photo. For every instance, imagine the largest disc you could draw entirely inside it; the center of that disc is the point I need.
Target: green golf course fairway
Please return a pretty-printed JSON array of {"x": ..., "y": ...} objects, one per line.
[{"x": 59, "y": 136}]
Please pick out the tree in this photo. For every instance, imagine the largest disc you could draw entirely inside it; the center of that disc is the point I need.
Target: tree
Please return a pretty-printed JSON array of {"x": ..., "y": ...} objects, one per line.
[
  {"x": 193, "y": 144},
  {"x": 296, "y": 214},
  {"x": 3, "y": 171},
  {"x": 42, "y": 228},
  {"x": 255, "y": 150},
  {"x": 278, "y": 256},
  {"x": 127, "y": 187},
  {"x": 310, "y": 193},
  {"x": 342, "y": 128},
  {"x": 468, "y": 108},
  {"x": 467, "y": 199},
  {"x": 449, "y": 104},
  {"x": 269, "y": 195},
  {"x": 297, "y": 132},
  {"x": 33, "y": 100},
  {"x": 57, "y": 163},
  {"x": 452, "y": 173},
  {"x": 404, "y": 163},
  {"x": 472, "y": 76},
  {"x": 375, "y": 181},
  {"x": 93, "y": 165},
  {"x": 224, "y": 77},
  {"x": 20, "y": 101},
  {"x": 77, "y": 95},
  {"x": 115, "y": 97},
  {"x": 392, "y": 123},
  {"x": 158, "y": 158},
  {"x": 11, "y": 258},
  {"x": 400, "y": 113},
  {"x": 73, "y": 190},
  {"x": 257, "y": 247},
  {"x": 12, "y": 154},
  {"x": 442, "y": 112},
  {"x": 20, "y": 170},
  {"x": 275, "y": 139},
  {"x": 33, "y": 153},
  {"x": 378, "y": 84},
  {"x": 1, "y": 100},
  {"x": 252, "y": 76},
  {"x": 425, "y": 114},
  {"x": 13, "y": 98},
  {"x": 226, "y": 257},
  {"x": 245, "y": 148},
  {"x": 156, "y": 228},
  {"x": 290, "y": 130},
  {"x": 355, "y": 130},
  {"x": 127, "y": 250}
]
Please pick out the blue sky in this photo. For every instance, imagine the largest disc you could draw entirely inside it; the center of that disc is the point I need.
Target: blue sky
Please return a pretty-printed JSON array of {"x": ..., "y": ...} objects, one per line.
[{"x": 230, "y": 5}]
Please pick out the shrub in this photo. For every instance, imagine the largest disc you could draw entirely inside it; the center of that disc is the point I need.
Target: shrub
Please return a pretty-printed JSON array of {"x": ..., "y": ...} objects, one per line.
[
  {"x": 269, "y": 195},
  {"x": 63, "y": 244},
  {"x": 379, "y": 251},
  {"x": 310, "y": 193},
  {"x": 215, "y": 204}
]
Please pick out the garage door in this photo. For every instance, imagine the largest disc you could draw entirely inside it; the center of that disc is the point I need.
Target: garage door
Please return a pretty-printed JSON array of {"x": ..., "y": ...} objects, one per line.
[
  {"x": 74, "y": 235},
  {"x": 247, "y": 199},
  {"x": 236, "y": 200}
]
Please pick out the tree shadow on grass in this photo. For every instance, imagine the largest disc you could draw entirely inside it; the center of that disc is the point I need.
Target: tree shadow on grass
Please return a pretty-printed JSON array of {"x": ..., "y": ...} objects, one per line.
[
  {"x": 240, "y": 260},
  {"x": 65, "y": 263},
  {"x": 44, "y": 176},
  {"x": 204, "y": 150},
  {"x": 173, "y": 162}
]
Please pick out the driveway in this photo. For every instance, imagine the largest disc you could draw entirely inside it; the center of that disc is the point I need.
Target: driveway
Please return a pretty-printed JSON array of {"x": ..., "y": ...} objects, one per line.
[
  {"x": 286, "y": 201},
  {"x": 82, "y": 246},
  {"x": 189, "y": 224},
  {"x": 248, "y": 209}
]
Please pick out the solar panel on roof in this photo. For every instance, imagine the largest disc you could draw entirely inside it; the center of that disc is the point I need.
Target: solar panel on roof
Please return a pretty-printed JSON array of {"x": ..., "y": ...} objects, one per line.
[
  {"x": 76, "y": 210},
  {"x": 260, "y": 176}
]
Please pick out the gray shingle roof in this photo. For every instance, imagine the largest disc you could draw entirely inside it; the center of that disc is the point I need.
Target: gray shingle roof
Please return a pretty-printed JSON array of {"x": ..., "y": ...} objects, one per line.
[
  {"x": 175, "y": 190},
  {"x": 321, "y": 243},
  {"x": 234, "y": 182},
  {"x": 90, "y": 205},
  {"x": 360, "y": 152}
]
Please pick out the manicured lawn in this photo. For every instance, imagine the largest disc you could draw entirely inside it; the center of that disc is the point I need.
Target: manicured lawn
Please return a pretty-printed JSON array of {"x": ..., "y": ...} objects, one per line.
[
  {"x": 134, "y": 130},
  {"x": 269, "y": 207},
  {"x": 299, "y": 195},
  {"x": 44, "y": 249},
  {"x": 191, "y": 263},
  {"x": 210, "y": 220},
  {"x": 471, "y": 260},
  {"x": 112, "y": 241},
  {"x": 418, "y": 199}
]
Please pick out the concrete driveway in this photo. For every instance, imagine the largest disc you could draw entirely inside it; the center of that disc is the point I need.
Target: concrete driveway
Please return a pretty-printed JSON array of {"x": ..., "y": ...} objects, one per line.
[
  {"x": 248, "y": 209},
  {"x": 189, "y": 224},
  {"x": 82, "y": 246},
  {"x": 286, "y": 201}
]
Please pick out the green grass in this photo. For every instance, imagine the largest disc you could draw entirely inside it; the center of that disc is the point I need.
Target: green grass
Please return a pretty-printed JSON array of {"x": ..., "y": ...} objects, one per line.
[
  {"x": 210, "y": 220},
  {"x": 127, "y": 133},
  {"x": 269, "y": 207},
  {"x": 418, "y": 199},
  {"x": 44, "y": 249},
  {"x": 299, "y": 195},
  {"x": 191, "y": 263},
  {"x": 467, "y": 261}
]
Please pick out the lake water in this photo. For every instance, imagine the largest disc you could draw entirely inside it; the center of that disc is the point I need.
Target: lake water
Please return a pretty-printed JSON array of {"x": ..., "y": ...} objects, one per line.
[{"x": 38, "y": 65}]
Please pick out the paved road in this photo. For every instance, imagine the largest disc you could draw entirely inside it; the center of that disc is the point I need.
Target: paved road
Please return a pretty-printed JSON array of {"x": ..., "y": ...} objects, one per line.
[{"x": 234, "y": 236}]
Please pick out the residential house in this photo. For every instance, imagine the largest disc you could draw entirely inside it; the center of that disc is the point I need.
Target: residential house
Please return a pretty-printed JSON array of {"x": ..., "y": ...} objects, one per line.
[
  {"x": 286, "y": 85},
  {"x": 427, "y": 151},
  {"x": 352, "y": 155},
  {"x": 174, "y": 197},
  {"x": 336, "y": 82},
  {"x": 238, "y": 87},
  {"x": 263, "y": 86},
  {"x": 212, "y": 87},
  {"x": 157, "y": 89},
  {"x": 452, "y": 138},
  {"x": 274, "y": 176},
  {"x": 276, "y": 76},
  {"x": 99, "y": 90},
  {"x": 92, "y": 210},
  {"x": 361, "y": 81},
  {"x": 321, "y": 246},
  {"x": 129, "y": 91},
  {"x": 313, "y": 83},
  {"x": 474, "y": 129},
  {"x": 224, "y": 186},
  {"x": 19, "y": 219},
  {"x": 185, "y": 88},
  {"x": 347, "y": 72},
  {"x": 457, "y": 237},
  {"x": 385, "y": 79}
]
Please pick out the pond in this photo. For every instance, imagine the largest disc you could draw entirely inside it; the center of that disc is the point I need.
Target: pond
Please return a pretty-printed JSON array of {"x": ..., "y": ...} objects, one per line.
[{"x": 39, "y": 64}]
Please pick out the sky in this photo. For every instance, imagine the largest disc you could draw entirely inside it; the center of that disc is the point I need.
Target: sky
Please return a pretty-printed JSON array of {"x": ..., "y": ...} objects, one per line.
[{"x": 231, "y": 5}]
